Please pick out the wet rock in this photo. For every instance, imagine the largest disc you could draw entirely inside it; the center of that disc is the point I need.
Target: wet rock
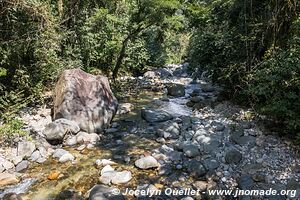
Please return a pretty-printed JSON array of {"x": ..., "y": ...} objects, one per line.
[
  {"x": 196, "y": 99},
  {"x": 147, "y": 162},
  {"x": 85, "y": 99},
  {"x": 207, "y": 88},
  {"x": 233, "y": 156},
  {"x": 55, "y": 131},
  {"x": 191, "y": 150},
  {"x": 259, "y": 177},
  {"x": 196, "y": 168},
  {"x": 176, "y": 90},
  {"x": 211, "y": 164},
  {"x": 66, "y": 157},
  {"x": 7, "y": 179},
  {"x": 22, "y": 166},
  {"x": 69, "y": 194},
  {"x": 217, "y": 126},
  {"x": 155, "y": 115},
  {"x": 246, "y": 182},
  {"x": 111, "y": 130},
  {"x": 190, "y": 104},
  {"x": 25, "y": 149},
  {"x": 103, "y": 192}
]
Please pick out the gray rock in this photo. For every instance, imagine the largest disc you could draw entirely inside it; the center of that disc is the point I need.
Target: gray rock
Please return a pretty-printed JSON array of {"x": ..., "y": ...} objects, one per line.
[
  {"x": 218, "y": 126},
  {"x": 147, "y": 162},
  {"x": 25, "y": 149},
  {"x": 168, "y": 130},
  {"x": 246, "y": 182},
  {"x": 6, "y": 164},
  {"x": 176, "y": 90},
  {"x": 55, "y": 131},
  {"x": 66, "y": 157},
  {"x": 106, "y": 177},
  {"x": 155, "y": 115},
  {"x": 207, "y": 88},
  {"x": 233, "y": 156},
  {"x": 191, "y": 150},
  {"x": 83, "y": 137},
  {"x": 103, "y": 192},
  {"x": 106, "y": 169},
  {"x": 196, "y": 99},
  {"x": 211, "y": 164},
  {"x": 59, "y": 153},
  {"x": 35, "y": 156},
  {"x": 22, "y": 166},
  {"x": 196, "y": 168},
  {"x": 85, "y": 99}
]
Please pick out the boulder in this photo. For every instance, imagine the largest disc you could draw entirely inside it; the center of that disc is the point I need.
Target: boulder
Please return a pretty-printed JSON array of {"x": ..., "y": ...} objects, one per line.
[
  {"x": 176, "y": 90},
  {"x": 25, "y": 149},
  {"x": 155, "y": 115},
  {"x": 85, "y": 99},
  {"x": 233, "y": 156},
  {"x": 55, "y": 131}
]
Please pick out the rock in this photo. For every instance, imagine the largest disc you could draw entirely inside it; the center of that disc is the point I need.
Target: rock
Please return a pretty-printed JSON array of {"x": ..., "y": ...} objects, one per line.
[
  {"x": 53, "y": 175},
  {"x": 102, "y": 192},
  {"x": 121, "y": 177},
  {"x": 207, "y": 88},
  {"x": 211, "y": 164},
  {"x": 59, "y": 153},
  {"x": 155, "y": 115},
  {"x": 7, "y": 165},
  {"x": 68, "y": 194},
  {"x": 125, "y": 108},
  {"x": 196, "y": 168},
  {"x": 106, "y": 177},
  {"x": 176, "y": 90},
  {"x": 233, "y": 157},
  {"x": 200, "y": 185},
  {"x": 191, "y": 150},
  {"x": 104, "y": 162},
  {"x": 35, "y": 156},
  {"x": 70, "y": 141},
  {"x": 55, "y": 131},
  {"x": 168, "y": 130},
  {"x": 22, "y": 166},
  {"x": 85, "y": 99},
  {"x": 245, "y": 182},
  {"x": 7, "y": 179},
  {"x": 83, "y": 137},
  {"x": 66, "y": 157},
  {"x": 106, "y": 169},
  {"x": 147, "y": 162},
  {"x": 196, "y": 99},
  {"x": 217, "y": 126},
  {"x": 25, "y": 149}
]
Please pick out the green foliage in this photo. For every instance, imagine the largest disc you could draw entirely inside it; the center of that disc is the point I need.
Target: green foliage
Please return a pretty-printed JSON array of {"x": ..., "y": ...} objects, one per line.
[
  {"x": 253, "y": 51},
  {"x": 11, "y": 130}
]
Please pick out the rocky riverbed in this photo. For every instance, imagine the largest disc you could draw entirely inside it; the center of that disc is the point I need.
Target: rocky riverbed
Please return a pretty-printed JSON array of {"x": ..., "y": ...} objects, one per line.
[{"x": 170, "y": 132}]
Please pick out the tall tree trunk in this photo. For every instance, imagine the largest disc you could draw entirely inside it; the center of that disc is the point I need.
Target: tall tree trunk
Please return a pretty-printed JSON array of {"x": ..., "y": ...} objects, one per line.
[{"x": 120, "y": 58}]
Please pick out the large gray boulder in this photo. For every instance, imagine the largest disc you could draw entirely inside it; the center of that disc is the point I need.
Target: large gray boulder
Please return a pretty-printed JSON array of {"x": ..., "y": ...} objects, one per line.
[
  {"x": 155, "y": 115},
  {"x": 176, "y": 90},
  {"x": 55, "y": 131},
  {"x": 85, "y": 99}
]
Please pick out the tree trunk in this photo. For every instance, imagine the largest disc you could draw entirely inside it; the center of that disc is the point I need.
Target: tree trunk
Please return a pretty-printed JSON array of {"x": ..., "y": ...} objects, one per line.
[{"x": 120, "y": 58}]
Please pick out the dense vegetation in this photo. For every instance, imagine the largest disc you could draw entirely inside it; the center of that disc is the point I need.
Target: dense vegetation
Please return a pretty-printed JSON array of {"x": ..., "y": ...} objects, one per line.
[{"x": 249, "y": 47}]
